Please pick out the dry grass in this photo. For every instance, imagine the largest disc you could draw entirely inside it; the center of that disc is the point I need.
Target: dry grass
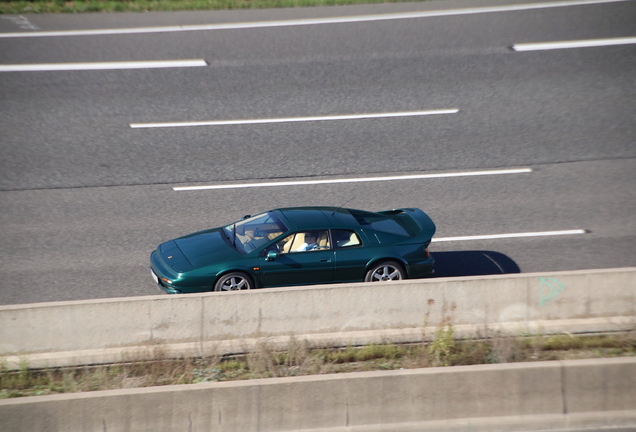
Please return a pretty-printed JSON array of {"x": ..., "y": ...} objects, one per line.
[
  {"x": 92, "y": 6},
  {"x": 300, "y": 359}
]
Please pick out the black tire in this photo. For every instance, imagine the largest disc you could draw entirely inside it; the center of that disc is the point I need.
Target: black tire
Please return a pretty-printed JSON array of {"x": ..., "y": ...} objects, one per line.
[
  {"x": 233, "y": 282},
  {"x": 385, "y": 271}
]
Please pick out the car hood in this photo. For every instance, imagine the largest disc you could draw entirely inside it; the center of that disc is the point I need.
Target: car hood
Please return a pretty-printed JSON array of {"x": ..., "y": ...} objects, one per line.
[{"x": 206, "y": 248}]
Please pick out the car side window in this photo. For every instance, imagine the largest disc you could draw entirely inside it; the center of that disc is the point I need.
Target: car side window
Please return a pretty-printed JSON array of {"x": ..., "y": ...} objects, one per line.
[
  {"x": 345, "y": 238},
  {"x": 304, "y": 241}
]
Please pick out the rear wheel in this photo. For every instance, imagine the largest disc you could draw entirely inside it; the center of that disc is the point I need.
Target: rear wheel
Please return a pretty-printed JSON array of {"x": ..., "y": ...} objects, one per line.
[
  {"x": 233, "y": 282},
  {"x": 385, "y": 271}
]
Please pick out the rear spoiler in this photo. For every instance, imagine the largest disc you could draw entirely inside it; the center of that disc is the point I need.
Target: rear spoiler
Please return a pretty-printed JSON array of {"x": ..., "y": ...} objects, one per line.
[{"x": 422, "y": 220}]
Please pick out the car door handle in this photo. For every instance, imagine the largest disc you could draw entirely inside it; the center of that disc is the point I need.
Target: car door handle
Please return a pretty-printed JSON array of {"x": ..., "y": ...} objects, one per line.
[{"x": 325, "y": 260}]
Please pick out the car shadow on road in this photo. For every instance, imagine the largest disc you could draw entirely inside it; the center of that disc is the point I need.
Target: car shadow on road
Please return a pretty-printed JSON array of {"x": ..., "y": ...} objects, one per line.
[{"x": 472, "y": 263}]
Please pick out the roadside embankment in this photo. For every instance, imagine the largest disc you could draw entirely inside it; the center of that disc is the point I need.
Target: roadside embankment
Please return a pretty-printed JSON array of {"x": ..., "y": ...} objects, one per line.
[
  {"x": 113, "y": 330},
  {"x": 517, "y": 396}
]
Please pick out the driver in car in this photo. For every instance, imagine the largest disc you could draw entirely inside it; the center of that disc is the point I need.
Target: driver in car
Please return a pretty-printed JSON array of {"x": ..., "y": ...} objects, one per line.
[{"x": 311, "y": 242}]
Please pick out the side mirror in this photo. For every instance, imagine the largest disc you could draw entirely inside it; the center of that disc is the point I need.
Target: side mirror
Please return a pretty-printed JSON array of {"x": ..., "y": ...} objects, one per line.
[
  {"x": 271, "y": 256},
  {"x": 246, "y": 217}
]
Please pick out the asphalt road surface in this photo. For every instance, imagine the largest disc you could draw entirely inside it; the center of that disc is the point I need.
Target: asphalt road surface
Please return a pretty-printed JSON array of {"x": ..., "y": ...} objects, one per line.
[{"x": 91, "y": 158}]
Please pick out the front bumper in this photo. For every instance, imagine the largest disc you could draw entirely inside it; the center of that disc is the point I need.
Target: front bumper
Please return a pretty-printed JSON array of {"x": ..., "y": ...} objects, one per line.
[
  {"x": 162, "y": 285},
  {"x": 156, "y": 274}
]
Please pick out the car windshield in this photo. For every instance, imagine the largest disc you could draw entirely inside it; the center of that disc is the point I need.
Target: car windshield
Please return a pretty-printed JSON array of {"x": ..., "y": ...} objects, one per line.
[{"x": 255, "y": 231}]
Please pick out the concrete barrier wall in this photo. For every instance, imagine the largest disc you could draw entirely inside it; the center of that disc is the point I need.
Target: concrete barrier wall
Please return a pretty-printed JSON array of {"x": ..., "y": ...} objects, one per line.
[
  {"x": 196, "y": 324},
  {"x": 603, "y": 390}
]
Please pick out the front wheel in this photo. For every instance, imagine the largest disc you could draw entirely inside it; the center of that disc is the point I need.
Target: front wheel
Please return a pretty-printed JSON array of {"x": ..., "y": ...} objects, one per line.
[
  {"x": 385, "y": 271},
  {"x": 233, "y": 282}
]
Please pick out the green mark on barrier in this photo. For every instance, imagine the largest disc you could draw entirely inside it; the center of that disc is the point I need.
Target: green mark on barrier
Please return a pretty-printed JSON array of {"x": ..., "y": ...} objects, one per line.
[{"x": 549, "y": 288}]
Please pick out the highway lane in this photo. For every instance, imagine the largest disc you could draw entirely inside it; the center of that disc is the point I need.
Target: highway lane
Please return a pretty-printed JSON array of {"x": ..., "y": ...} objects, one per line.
[
  {"x": 94, "y": 242},
  {"x": 276, "y": 17},
  {"x": 76, "y": 139},
  {"x": 70, "y": 129},
  {"x": 86, "y": 197}
]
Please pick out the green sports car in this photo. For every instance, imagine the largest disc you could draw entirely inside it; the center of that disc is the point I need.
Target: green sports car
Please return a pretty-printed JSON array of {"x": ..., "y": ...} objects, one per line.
[{"x": 298, "y": 246}]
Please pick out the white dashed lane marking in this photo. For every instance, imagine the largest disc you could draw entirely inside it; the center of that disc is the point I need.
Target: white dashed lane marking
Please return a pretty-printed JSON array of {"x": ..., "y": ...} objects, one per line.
[
  {"x": 355, "y": 180},
  {"x": 294, "y": 119},
  {"x": 510, "y": 235},
  {"x": 540, "y": 46},
  {"x": 102, "y": 65}
]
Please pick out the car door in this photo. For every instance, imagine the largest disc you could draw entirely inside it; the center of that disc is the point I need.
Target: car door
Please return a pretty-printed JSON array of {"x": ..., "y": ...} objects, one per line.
[
  {"x": 299, "y": 261},
  {"x": 350, "y": 256}
]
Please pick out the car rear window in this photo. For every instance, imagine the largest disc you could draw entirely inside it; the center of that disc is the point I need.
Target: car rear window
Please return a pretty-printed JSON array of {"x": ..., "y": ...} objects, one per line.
[{"x": 380, "y": 223}]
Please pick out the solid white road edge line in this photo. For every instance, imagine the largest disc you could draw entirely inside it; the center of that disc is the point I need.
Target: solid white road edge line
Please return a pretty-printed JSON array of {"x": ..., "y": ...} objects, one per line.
[
  {"x": 354, "y": 180},
  {"x": 300, "y": 22},
  {"x": 511, "y": 235},
  {"x": 293, "y": 119},
  {"x": 102, "y": 65},
  {"x": 539, "y": 46}
]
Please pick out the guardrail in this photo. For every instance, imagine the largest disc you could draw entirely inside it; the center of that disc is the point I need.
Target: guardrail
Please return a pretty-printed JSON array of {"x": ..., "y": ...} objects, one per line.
[
  {"x": 101, "y": 331},
  {"x": 522, "y": 396}
]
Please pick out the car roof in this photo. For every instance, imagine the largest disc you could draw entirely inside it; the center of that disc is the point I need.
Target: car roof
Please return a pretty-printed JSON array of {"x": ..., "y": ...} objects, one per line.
[{"x": 317, "y": 217}]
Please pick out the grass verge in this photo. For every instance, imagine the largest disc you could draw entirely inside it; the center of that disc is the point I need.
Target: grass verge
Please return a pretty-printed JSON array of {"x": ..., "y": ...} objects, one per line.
[
  {"x": 300, "y": 359},
  {"x": 84, "y": 6}
]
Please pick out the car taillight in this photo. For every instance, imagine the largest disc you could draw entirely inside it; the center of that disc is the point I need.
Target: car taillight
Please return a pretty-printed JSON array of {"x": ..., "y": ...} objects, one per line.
[{"x": 427, "y": 254}]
